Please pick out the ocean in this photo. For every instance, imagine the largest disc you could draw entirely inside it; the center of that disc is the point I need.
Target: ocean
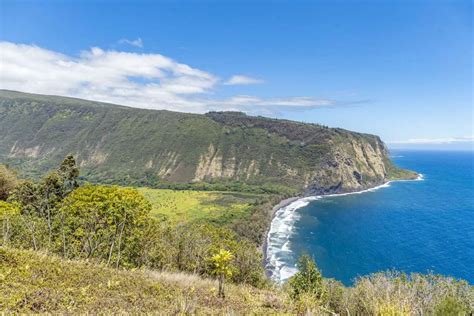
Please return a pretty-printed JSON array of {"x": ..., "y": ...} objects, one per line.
[{"x": 412, "y": 226}]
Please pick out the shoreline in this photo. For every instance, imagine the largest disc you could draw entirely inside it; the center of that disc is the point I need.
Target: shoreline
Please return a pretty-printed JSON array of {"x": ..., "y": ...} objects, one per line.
[
  {"x": 283, "y": 203},
  {"x": 286, "y": 202}
]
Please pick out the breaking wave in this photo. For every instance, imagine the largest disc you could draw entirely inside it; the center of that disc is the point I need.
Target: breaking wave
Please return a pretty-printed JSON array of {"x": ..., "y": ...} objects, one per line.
[{"x": 281, "y": 228}]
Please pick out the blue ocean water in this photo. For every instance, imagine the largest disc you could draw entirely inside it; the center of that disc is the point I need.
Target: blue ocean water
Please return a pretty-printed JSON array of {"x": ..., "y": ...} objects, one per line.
[{"x": 412, "y": 226}]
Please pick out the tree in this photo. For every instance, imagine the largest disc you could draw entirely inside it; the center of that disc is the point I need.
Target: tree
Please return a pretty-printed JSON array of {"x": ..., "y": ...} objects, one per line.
[
  {"x": 8, "y": 181},
  {"x": 247, "y": 264},
  {"x": 222, "y": 267},
  {"x": 308, "y": 280},
  {"x": 26, "y": 196},
  {"x": 39, "y": 201},
  {"x": 7, "y": 212},
  {"x": 51, "y": 191},
  {"x": 103, "y": 222},
  {"x": 69, "y": 172}
]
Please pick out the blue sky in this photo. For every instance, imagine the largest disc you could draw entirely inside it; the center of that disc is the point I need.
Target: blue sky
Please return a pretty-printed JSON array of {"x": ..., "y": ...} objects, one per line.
[{"x": 399, "y": 69}]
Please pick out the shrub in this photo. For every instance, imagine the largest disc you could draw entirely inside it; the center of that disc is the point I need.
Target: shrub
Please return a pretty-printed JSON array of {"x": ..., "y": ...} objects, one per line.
[
  {"x": 450, "y": 306},
  {"x": 222, "y": 267},
  {"x": 399, "y": 294},
  {"x": 8, "y": 214},
  {"x": 8, "y": 181},
  {"x": 103, "y": 222},
  {"x": 308, "y": 280}
]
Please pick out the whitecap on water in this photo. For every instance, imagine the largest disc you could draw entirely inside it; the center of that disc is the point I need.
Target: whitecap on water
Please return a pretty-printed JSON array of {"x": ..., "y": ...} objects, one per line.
[{"x": 278, "y": 238}]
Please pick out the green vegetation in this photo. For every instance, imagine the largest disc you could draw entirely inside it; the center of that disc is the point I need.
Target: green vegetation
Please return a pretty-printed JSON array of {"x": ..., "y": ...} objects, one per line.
[
  {"x": 71, "y": 246},
  {"x": 247, "y": 214},
  {"x": 385, "y": 293},
  {"x": 188, "y": 205},
  {"x": 308, "y": 280},
  {"x": 102, "y": 222},
  {"x": 67, "y": 248},
  {"x": 35, "y": 282},
  {"x": 396, "y": 174},
  {"x": 113, "y": 226},
  {"x": 218, "y": 151},
  {"x": 222, "y": 268},
  {"x": 230, "y": 186},
  {"x": 8, "y": 181}
]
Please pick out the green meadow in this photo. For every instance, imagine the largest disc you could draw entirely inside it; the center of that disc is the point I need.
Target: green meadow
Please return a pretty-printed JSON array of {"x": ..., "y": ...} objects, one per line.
[{"x": 210, "y": 206}]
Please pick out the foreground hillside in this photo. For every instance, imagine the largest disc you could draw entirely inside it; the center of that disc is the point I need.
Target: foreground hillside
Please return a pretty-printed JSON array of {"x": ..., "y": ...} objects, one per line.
[
  {"x": 38, "y": 283},
  {"x": 135, "y": 146}
]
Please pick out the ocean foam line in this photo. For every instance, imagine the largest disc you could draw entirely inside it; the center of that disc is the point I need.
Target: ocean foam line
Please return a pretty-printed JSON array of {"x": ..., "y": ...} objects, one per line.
[{"x": 281, "y": 229}]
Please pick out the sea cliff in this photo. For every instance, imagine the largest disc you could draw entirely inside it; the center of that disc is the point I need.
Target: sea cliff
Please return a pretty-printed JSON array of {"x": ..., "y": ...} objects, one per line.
[{"x": 117, "y": 144}]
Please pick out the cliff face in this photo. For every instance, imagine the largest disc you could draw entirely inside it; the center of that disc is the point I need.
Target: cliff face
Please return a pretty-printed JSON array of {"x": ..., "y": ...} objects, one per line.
[
  {"x": 125, "y": 145},
  {"x": 355, "y": 165}
]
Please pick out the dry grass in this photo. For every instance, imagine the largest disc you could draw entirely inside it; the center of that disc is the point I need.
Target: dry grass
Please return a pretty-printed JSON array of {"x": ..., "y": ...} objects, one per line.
[
  {"x": 32, "y": 282},
  {"x": 182, "y": 279}
]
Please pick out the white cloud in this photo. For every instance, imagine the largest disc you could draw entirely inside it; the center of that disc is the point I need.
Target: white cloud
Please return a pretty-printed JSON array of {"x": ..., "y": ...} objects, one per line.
[
  {"x": 434, "y": 141},
  {"x": 295, "y": 102},
  {"x": 139, "y": 80},
  {"x": 136, "y": 42},
  {"x": 242, "y": 80}
]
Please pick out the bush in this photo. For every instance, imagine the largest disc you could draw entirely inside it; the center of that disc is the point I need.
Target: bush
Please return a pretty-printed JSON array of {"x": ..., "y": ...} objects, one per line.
[
  {"x": 308, "y": 280},
  {"x": 450, "y": 306},
  {"x": 8, "y": 215},
  {"x": 8, "y": 181},
  {"x": 399, "y": 294},
  {"x": 103, "y": 222}
]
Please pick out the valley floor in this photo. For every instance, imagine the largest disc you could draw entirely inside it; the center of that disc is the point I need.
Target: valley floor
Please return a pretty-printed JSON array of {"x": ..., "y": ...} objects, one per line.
[{"x": 190, "y": 205}]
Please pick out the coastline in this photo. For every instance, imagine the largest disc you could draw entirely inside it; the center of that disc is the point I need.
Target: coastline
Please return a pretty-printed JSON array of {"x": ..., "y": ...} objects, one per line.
[
  {"x": 271, "y": 266},
  {"x": 283, "y": 203}
]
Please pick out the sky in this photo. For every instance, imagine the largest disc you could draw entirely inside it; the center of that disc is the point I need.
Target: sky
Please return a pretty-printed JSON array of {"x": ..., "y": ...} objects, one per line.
[{"x": 399, "y": 69}]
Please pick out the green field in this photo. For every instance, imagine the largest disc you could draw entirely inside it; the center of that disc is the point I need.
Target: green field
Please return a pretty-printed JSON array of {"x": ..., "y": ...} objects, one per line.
[{"x": 188, "y": 205}]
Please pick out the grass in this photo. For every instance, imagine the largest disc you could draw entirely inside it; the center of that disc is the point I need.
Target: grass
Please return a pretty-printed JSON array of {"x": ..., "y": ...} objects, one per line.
[
  {"x": 189, "y": 205},
  {"x": 35, "y": 282},
  {"x": 32, "y": 282}
]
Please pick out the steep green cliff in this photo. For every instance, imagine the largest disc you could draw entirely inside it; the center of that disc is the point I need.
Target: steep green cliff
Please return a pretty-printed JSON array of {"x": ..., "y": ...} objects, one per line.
[{"x": 126, "y": 145}]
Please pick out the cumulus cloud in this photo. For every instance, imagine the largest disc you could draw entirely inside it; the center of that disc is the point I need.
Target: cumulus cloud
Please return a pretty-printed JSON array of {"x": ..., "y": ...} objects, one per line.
[
  {"x": 242, "y": 80},
  {"x": 139, "y": 80},
  {"x": 136, "y": 42},
  {"x": 435, "y": 141}
]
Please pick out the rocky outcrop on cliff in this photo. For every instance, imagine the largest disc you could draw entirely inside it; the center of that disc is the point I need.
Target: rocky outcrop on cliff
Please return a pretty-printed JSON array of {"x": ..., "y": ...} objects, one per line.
[{"x": 355, "y": 166}]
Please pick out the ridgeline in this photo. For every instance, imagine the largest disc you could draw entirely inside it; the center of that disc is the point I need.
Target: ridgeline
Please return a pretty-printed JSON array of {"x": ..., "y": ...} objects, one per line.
[{"x": 129, "y": 146}]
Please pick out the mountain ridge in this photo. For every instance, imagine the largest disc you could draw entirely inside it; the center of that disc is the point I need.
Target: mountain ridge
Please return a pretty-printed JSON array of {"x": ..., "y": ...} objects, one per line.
[{"x": 120, "y": 144}]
